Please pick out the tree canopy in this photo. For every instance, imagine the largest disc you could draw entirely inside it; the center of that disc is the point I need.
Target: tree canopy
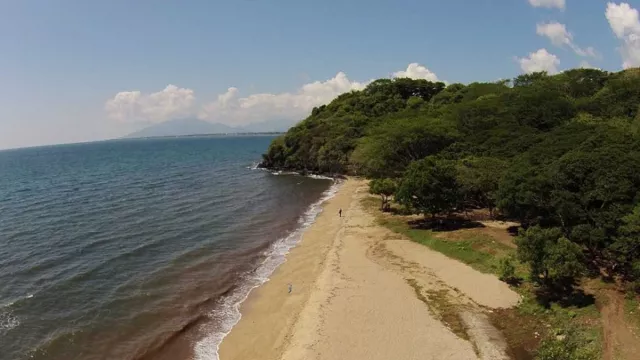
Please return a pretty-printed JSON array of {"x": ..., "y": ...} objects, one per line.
[{"x": 559, "y": 153}]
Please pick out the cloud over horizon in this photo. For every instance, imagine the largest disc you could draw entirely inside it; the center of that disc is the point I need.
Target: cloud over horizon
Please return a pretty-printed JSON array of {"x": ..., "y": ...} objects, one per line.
[
  {"x": 416, "y": 71},
  {"x": 132, "y": 106},
  {"x": 232, "y": 108},
  {"x": 540, "y": 60}
]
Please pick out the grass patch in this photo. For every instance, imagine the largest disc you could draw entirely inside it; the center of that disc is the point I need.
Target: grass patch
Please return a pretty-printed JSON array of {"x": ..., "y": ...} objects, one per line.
[
  {"x": 480, "y": 251},
  {"x": 439, "y": 305},
  {"x": 632, "y": 312}
]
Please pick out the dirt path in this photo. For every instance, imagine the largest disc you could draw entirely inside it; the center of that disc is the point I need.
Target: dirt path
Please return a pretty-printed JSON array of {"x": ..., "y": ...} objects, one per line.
[
  {"x": 381, "y": 297},
  {"x": 620, "y": 343}
]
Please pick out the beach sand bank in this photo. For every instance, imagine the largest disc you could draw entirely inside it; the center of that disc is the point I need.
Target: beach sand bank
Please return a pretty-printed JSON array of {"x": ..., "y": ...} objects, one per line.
[{"x": 360, "y": 291}]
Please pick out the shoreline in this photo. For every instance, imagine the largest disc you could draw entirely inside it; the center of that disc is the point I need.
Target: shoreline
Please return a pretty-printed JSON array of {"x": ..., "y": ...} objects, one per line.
[
  {"x": 207, "y": 347},
  {"x": 301, "y": 268},
  {"x": 360, "y": 292}
]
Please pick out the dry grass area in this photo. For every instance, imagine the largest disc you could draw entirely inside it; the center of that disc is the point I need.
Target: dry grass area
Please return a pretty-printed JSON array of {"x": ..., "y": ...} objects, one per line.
[{"x": 439, "y": 303}]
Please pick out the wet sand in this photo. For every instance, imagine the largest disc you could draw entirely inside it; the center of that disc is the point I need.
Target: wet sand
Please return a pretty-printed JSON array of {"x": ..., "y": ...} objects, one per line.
[{"x": 360, "y": 291}]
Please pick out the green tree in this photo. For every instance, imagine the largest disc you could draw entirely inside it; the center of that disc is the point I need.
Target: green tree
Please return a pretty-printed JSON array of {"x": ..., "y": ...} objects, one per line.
[
  {"x": 626, "y": 248},
  {"x": 479, "y": 178},
  {"x": 619, "y": 97},
  {"x": 541, "y": 107},
  {"x": 552, "y": 258},
  {"x": 429, "y": 186},
  {"x": 392, "y": 146},
  {"x": 536, "y": 78},
  {"x": 507, "y": 270},
  {"x": 385, "y": 188},
  {"x": 592, "y": 189}
]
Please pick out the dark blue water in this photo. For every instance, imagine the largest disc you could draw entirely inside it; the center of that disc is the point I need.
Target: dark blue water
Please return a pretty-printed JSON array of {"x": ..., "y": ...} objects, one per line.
[{"x": 139, "y": 248}]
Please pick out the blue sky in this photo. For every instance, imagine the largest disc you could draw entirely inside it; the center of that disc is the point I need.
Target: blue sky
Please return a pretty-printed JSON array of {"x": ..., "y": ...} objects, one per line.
[{"x": 88, "y": 70}]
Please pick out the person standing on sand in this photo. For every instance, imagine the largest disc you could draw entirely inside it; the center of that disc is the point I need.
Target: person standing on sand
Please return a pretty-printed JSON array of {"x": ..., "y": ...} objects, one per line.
[{"x": 340, "y": 212}]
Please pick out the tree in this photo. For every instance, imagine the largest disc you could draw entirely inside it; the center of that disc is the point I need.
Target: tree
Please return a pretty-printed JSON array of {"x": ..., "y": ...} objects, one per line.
[
  {"x": 541, "y": 107},
  {"x": 592, "y": 190},
  {"x": 507, "y": 270},
  {"x": 583, "y": 83},
  {"x": 552, "y": 258},
  {"x": 385, "y": 188},
  {"x": 530, "y": 79},
  {"x": 479, "y": 178},
  {"x": 429, "y": 186},
  {"x": 392, "y": 146},
  {"x": 619, "y": 97},
  {"x": 626, "y": 248}
]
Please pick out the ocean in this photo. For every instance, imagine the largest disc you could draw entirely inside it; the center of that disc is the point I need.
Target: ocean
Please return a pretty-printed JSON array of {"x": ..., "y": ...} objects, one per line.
[{"x": 140, "y": 249}]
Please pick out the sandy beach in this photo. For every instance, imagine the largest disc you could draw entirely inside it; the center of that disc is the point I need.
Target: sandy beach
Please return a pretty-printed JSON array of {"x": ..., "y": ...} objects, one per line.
[{"x": 360, "y": 291}]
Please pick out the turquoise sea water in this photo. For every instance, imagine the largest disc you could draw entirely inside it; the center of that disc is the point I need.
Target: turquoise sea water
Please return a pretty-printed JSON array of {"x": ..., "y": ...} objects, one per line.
[{"x": 141, "y": 248}]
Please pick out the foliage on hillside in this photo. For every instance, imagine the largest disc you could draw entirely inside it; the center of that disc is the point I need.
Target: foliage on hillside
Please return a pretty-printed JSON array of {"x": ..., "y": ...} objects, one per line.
[{"x": 559, "y": 153}]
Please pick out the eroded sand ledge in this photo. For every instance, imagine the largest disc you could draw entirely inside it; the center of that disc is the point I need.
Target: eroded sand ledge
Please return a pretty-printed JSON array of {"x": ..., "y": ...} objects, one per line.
[{"x": 362, "y": 292}]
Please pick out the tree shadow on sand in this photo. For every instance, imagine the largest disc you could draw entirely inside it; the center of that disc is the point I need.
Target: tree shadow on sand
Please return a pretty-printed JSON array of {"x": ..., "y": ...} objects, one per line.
[{"x": 451, "y": 223}]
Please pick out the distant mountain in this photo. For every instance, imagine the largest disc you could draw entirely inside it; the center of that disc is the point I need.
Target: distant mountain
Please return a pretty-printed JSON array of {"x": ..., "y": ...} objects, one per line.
[
  {"x": 185, "y": 127},
  {"x": 182, "y": 127}
]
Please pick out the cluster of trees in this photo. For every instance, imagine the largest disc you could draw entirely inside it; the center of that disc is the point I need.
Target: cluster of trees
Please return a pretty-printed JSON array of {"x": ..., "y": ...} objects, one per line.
[{"x": 560, "y": 153}]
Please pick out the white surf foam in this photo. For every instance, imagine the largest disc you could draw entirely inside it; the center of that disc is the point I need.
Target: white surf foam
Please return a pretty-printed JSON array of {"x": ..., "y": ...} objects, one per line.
[
  {"x": 8, "y": 321},
  {"x": 227, "y": 313},
  {"x": 321, "y": 177}
]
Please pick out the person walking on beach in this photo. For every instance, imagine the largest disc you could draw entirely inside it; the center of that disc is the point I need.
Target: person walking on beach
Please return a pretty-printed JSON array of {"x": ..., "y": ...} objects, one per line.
[{"x": 340, "y": 212}]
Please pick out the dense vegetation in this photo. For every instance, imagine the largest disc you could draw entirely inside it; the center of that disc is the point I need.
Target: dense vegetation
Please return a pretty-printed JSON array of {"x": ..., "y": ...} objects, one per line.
[{"x": 560, "y": 154}]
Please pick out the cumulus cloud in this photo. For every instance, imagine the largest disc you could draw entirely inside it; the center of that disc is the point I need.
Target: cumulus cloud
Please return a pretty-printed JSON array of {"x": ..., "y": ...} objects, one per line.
[
  {"x": 231, "y": 108},
  {"x": 170, "y": 103},
  {"x": 560, "y": 4},
  {"x": 625, "y": 23},
  {"x": 540, "y": 60},
  {"x": 561, "y": 37},
  {"x": 234, "y": 108},
  {"x": 416, "y": 71}
]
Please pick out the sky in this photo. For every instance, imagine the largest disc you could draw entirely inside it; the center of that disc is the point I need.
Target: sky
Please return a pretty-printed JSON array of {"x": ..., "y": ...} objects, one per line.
[{"x": 76, "y": 70}]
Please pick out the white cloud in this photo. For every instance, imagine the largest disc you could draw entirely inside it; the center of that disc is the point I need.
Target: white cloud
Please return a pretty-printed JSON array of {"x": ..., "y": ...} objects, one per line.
[
  {"x": 585, "y": 65},
  {"x": 540, "y": 60},
  {"x": 560, "y": 4},
  {"x": 561, "y": 37},
  {"x": 556, "y": 32},
  {"x": 416, "y": 71},
  {"x": 625, "y": 23},
  {"x": 231, "y": 108},
  {"x": 170, "y": 103}
]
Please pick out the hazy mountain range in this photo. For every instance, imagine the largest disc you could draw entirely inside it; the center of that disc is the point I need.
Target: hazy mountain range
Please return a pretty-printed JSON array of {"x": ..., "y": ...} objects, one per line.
[{"x": 183, "y": 127}]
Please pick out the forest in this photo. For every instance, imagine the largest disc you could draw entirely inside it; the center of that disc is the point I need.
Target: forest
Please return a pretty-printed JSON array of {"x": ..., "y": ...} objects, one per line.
[{"x": 560, "y": 154}]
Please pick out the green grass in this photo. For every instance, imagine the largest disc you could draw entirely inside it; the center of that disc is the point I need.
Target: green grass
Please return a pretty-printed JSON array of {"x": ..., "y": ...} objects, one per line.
[
  {"x": 468, "y": 250},
  {"x": 632, "y": 312}
]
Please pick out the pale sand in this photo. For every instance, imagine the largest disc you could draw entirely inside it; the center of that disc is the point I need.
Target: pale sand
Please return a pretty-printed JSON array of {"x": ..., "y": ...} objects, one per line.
[{"x": 352, "y": 297}]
